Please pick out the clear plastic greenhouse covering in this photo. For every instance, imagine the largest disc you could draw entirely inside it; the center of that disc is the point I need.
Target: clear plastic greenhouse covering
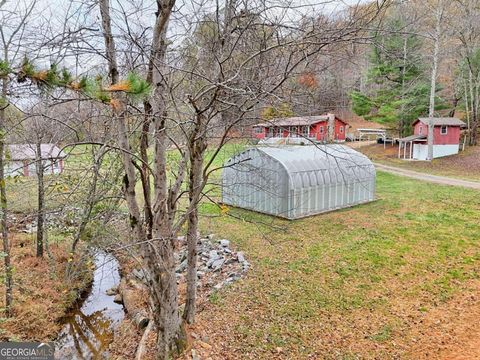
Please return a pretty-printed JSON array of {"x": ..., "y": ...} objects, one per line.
[{"x": 298, "y": 181}]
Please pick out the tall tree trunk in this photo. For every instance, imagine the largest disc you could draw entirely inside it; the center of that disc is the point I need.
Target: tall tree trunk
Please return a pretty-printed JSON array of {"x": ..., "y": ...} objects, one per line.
[
  {"x": 41, "y": 198},
  {"x": 474, "y": 126},
  {"x": 3, "y": 207},
  {"x": 171, "y": 338},
  {"x": 404, "y": 68},
  {"x": 192, "y": 240},
  {"x": 145, "y": 173},
  {"x": 474, "y": 107},
  {"x": 197, "y": 147},
  {"x": 433, "y": 83},
  {"x": 158, "y": 254}
]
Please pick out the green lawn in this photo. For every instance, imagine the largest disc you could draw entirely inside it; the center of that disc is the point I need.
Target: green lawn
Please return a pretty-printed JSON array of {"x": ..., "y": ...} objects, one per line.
[
  {"x": 347, "y": 284},
  {"x": 60, "y": 190},
  {"x": 344, "y": 285}
]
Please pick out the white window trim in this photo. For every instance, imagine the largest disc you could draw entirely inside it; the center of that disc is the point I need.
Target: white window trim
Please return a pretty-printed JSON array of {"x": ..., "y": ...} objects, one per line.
[
  {"x": 341, "y": 129},
  {"x": 420, "y": 130},
  {"x": 441, "y": 130},
  {"x": 305, "y": 131},
  {"x": 321, "y": 129},
  {"x": 293, "y": 131}
]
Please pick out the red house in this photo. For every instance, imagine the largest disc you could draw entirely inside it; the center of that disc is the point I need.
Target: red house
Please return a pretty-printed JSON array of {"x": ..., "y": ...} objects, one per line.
[
  {"x": 446, "y": 138},
  {"x": 319, "y": 128}
]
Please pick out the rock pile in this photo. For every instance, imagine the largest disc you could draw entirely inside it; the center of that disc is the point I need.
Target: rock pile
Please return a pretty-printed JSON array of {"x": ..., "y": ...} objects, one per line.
[{"x": 218, "y": 264}]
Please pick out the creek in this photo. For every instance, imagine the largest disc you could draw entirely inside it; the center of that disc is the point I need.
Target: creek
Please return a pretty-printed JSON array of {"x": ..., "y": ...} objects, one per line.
[{"x": 89, "y": 327}]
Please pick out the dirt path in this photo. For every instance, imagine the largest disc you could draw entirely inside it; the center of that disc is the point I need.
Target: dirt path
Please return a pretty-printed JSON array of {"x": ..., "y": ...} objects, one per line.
[{"x": 427, "y": 177}]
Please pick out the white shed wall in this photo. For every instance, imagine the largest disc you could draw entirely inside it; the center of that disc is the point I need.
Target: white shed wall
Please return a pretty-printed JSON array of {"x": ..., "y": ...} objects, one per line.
[
  {"x": 13, "y": 168},
  {"x": 420, "y": 151},
  {"x": 16, "y": 168}
]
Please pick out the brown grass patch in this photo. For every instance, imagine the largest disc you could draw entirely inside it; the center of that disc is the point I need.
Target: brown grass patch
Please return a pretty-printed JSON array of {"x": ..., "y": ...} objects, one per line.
[{"x": 41, "y": 294}]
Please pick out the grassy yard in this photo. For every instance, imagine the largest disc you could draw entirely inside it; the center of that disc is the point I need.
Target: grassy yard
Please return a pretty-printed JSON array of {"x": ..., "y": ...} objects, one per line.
[
  {"x": 355, "y": 283},
  {"x": 69, "y": 188},
  {"x": 350, "y": 284},
  {"x": 465, "y": 165}
]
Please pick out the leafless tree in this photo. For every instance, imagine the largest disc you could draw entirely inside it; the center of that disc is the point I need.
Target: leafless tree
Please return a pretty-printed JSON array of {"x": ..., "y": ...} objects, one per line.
[
  {"x": 13, "y": 22},
  {"x": 439, "y": 14},
  {"x": 466, "y": 30}
]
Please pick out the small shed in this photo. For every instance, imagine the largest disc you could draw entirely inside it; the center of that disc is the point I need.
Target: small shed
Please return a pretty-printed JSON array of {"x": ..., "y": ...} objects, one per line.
[
  {"x": 446, "y": 138},
  {"x": 21, "y": 159},
  {"x": 298, "y": 181}
]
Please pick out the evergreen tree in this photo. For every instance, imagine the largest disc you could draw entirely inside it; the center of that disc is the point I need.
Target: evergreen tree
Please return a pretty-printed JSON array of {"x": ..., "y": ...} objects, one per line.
[{"x": 397, "y": 90}]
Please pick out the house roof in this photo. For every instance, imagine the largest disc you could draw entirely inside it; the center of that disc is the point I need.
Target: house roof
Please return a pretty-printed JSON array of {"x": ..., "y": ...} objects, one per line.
[
  {"x": 28, "y": 151},
  {"x": 442, "y": 121},
  {"x": 297, "y": 121}
]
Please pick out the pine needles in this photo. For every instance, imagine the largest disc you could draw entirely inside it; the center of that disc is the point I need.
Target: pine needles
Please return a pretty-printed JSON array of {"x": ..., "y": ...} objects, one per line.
[{"x": 134, "y": 86}]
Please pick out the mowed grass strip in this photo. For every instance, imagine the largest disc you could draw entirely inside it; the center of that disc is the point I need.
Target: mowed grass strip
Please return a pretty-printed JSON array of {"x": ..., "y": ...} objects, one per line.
[{"x": 348, "y": 284}]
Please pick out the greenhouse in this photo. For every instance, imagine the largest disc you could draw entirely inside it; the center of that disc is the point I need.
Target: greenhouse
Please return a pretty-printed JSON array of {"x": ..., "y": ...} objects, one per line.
[{"x": 298, "y": 181}]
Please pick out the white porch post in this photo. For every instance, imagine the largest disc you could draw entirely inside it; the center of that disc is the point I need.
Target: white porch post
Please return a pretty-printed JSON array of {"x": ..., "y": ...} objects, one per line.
[{"x": 399, "y": 148}]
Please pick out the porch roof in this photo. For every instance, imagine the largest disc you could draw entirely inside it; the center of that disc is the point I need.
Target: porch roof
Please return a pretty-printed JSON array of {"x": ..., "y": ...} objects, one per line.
[
  {"x": 294, "y": 121},
  {"x": 413, "y": 138}
]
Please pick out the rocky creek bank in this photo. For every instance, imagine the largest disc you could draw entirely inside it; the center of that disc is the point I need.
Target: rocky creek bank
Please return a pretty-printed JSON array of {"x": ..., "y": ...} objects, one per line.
[{"x": 218, "y": 266}]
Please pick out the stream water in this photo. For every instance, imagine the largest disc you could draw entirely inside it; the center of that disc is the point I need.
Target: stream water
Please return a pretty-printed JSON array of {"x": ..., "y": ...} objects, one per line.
[{"x": 88, "y": 328}]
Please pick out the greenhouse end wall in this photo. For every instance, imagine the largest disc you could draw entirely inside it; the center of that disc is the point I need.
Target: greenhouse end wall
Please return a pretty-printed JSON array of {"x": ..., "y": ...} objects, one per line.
[{"x": 298, "y": 181}]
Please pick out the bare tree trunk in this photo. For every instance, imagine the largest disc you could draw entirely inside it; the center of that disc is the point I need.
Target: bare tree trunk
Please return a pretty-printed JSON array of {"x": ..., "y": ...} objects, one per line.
[
  {"x": 404, "y": 67},
  {"x": 474, "y": 107},
  {"x": 474, "y": 126},
  {"x": 145, "y": 173},
  {"x": 197, "y": 147},
  {"x": 41, "y": 197},
  {"x": 171, "y": 338},
  {"x": 436, "y": 49},
  {"x": 192, "y": 240},
  {"x": 4, "y": 210},
  {"x": 158, "y": 254}
]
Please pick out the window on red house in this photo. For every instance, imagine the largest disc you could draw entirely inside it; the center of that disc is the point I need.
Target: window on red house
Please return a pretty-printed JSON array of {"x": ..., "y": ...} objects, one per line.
[
  {"x": 259, "y": 130},
  {"x": 420, "y": 130},
  {"x": 443, "y": 130},
  {"x": 321, "y": 129},
  {"x": 341, "y": 129}
]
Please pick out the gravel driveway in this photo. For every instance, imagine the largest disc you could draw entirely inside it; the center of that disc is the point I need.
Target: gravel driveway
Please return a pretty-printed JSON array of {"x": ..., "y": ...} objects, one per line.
[{"x": 427, "y": 177}]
